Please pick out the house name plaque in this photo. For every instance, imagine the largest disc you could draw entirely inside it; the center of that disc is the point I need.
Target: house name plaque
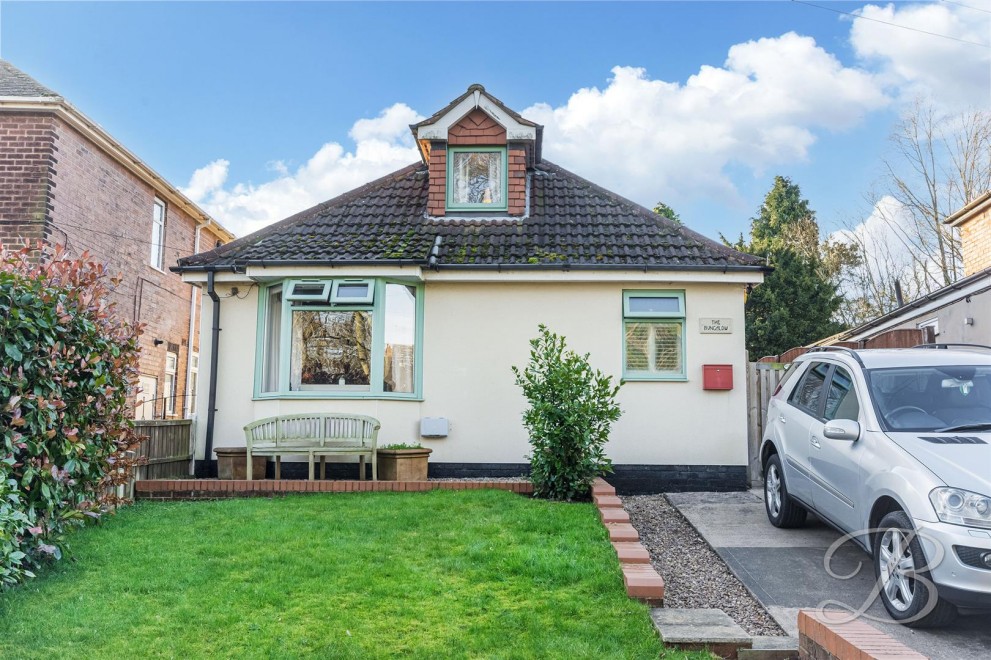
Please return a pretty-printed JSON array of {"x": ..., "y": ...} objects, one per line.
[{"x": 720, "y": 326}]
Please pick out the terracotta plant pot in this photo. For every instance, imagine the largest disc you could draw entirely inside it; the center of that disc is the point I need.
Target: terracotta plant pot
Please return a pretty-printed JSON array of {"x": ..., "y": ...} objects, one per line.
[{"x": 403, "y": 464}]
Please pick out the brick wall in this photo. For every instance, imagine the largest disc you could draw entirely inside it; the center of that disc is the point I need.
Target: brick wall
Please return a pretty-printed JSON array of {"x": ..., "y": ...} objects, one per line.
[
  {"x": 26, "y": 170},
  {"x": 476, "y": 129},
  {"x": 975, "y": 237},
  {"x": 101, "y": 207}
]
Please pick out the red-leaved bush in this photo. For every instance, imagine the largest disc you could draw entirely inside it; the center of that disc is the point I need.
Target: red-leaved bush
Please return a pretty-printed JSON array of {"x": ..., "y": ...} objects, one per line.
[{"x": 66, "y": 365}]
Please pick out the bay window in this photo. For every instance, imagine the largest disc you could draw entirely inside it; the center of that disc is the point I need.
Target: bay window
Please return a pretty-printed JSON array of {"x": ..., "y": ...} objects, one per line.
[
  {"x": 340, "y": 338},
  {"x": 653, "y": 335}
]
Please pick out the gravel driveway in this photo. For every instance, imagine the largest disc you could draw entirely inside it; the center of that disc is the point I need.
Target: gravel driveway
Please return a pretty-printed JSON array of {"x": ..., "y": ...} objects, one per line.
[{"x": 694, "y": 575}]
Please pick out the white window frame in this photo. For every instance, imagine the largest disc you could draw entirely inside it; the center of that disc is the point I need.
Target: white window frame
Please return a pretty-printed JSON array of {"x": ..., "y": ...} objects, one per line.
[
  {"x": 158, "y": 221},
  {"x": 171, "y": 382},
  {"x": 194, "y": 377}
]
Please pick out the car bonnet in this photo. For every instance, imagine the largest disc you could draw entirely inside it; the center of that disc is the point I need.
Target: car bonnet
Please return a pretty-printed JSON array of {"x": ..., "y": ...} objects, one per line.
[{"x": 961, "y": 459}]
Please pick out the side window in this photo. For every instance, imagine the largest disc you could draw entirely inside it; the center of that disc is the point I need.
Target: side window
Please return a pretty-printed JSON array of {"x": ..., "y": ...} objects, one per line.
[
  {"x": 808, "y": 393},
  {"x": 841, "y": 399},
  {"x": 158, "y": 234}
]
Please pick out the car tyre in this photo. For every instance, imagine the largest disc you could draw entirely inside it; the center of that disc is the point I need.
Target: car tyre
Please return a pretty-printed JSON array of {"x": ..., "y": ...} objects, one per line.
[
  {"x": 897, "y": 556},
  {"x": 781, "y": 509}
]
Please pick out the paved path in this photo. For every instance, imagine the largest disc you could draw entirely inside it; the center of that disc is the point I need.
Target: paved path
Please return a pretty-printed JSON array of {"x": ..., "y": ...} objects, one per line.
[{"x": 784, "y": 570}]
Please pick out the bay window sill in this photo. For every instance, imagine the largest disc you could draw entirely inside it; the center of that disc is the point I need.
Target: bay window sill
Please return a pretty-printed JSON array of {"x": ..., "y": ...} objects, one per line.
[{"x": 323, "y": 396}]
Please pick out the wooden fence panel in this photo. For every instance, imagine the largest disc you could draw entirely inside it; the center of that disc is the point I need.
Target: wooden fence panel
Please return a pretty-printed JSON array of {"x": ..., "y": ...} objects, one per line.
[
  {"x": 169, "y": 448},
  {"x": 762, "y": 380}
]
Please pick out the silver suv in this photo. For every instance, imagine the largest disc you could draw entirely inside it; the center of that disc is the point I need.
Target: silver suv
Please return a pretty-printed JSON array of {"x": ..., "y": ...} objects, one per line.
[{"x": 892, "y": 447}]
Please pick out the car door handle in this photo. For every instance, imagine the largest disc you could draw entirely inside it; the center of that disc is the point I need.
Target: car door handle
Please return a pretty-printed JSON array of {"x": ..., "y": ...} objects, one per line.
[
  {"x": 815, "y": 442},
  {"x": 781, "y": 418}
]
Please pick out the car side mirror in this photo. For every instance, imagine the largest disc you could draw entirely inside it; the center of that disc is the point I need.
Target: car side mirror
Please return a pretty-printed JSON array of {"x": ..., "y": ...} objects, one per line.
[{"x": 842, "y": 429}]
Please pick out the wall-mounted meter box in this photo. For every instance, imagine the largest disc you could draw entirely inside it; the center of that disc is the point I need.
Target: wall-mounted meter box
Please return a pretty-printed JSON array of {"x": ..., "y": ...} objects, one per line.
[{"x": 434, "y": 427}]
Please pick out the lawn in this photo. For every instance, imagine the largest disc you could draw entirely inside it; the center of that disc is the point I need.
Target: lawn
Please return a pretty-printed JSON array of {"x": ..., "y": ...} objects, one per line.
[{"x": 436, "y": 574}]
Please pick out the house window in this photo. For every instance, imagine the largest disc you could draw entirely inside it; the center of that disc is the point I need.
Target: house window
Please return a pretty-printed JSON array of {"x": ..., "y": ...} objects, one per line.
[
  {"x": 271, "y": 340},
  {"x": 359, "y": 341},
  {"x": 654, "y": 335},
  {"x": 194, "y": 377},
  {"x": 171, "y": 362},
  {"x": 158, "y": 234},
  {"x": 476, "y": 179}
]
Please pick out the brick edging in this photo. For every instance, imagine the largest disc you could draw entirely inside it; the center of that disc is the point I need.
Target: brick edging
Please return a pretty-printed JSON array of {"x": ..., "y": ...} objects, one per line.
[
  {"x": 212, "y": 489},
  {"x": 821, "y": 635},
  {"x": 640, "y": 578}
]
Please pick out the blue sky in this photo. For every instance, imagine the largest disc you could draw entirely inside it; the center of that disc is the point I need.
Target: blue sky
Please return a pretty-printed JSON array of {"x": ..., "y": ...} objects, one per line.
[{"x": 709, "y": 101}]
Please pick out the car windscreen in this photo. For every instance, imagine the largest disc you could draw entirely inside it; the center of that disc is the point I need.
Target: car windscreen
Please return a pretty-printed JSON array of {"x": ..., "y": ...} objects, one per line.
[{"x": 933, "y": 399}]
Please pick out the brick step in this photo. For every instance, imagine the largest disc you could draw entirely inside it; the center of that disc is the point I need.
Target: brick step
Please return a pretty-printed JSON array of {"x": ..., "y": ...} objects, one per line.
[
  {"x": 607, "y": 501},
  {"x": 614, "y": 516},
  {"x": 601, "y": 487},
  {"x": 631, "y": 552},
  {"x": 643, "y": 583},
  {"x": 622, "y": 532}
]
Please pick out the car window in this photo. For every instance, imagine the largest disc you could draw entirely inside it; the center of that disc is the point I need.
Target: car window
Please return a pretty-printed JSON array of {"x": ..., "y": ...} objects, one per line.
[
  {"x": 808, "y": 393},
  {"x": 841, "y": 398}
]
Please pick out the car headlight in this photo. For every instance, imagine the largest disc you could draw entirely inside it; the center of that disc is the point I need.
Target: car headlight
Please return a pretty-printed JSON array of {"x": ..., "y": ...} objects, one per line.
[{"x": 961, "y": 507}]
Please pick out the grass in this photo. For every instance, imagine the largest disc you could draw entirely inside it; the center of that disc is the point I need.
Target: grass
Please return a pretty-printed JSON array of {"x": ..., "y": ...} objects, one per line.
[{"x": 438, "y": 574}]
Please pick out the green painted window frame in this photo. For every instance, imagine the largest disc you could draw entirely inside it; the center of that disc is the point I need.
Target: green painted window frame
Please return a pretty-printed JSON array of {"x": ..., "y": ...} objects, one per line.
[
  {"x": 451, "y": 205},
  {"x": 661, "y": 318},
  {"x": 377, "y": 309}
]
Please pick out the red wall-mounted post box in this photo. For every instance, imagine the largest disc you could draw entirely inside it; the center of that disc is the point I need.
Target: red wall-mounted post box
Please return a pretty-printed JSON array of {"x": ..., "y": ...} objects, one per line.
[{"x": 717, "y": 377}]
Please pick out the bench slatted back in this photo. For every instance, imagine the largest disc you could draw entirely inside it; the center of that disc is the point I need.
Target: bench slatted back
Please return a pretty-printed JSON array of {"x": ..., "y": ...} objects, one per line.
[{"x": 317, "y": 429}]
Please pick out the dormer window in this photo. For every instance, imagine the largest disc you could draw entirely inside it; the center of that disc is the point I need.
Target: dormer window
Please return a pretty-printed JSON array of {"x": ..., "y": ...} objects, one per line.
[{"x": 476, "y": 179}]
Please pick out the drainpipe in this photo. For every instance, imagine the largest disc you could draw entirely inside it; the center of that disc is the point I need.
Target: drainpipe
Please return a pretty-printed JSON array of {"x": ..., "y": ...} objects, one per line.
[{"x": 214, "y": 354}]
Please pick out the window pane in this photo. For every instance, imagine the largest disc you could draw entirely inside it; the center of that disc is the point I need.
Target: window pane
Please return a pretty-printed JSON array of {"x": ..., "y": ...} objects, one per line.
[
  {"x": 667, "y": 347},
  {"x": 156, "y": 243},
  {"x": 637, "y": 343},
  {"x": 352, "y": 291},
  {"x": 400, "y": 338},
  {"x": 272, "y": 341},
  {"x": 331, "y": 350},
  {"x": 809, "y": 392},
  {"x": 477, "y": 178},
  {"x": 654, "y": 347},
  {"x": 655, "y": 304},
  {"x": 841, "y": 400}
]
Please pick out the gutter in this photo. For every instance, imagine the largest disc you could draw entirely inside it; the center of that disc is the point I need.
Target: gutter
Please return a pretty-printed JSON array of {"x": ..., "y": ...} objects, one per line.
[
  {"x": 214, "y": 358},
  {"x": 431, "y": 262}
]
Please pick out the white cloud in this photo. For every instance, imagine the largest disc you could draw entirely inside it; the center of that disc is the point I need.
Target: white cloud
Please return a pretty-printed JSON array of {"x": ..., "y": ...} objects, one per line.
[
  {"x": 653, "y": 139},
  {"x": 951, "y": 72},
  {"x": 382, "y": 144}
]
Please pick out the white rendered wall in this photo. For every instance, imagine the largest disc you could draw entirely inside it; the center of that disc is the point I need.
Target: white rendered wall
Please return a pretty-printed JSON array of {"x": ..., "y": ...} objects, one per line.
[{"x": 474, "y": 332}]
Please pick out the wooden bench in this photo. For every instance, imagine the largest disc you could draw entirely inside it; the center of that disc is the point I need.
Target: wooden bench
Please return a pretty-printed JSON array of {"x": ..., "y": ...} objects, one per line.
[{"x": 314, "y": 435}]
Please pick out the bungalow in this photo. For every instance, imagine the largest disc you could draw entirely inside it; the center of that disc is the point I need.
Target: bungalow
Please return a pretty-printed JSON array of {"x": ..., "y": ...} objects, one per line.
[{"x": 409, "y": 299}]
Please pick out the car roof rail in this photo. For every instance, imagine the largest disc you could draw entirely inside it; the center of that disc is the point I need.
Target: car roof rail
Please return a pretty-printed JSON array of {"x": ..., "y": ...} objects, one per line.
[
  {"x": 842, "y": 349},
  {"x": 945, "y": 345}
]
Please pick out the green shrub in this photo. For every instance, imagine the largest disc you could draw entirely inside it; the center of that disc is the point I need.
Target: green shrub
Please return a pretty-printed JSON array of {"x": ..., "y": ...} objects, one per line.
[
  {"x": 571, "y": 409},
  {"x": 66, "y": 363}
]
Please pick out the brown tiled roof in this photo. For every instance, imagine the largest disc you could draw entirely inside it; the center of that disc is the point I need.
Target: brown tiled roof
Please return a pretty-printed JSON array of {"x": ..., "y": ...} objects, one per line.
[
  {"x": 14, "y": 82},
  {"x": 571, "y": 224}
]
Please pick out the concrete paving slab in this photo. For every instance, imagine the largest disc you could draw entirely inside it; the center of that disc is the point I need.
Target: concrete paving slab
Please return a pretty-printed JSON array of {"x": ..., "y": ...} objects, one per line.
[
  {"x": 784, "y": 570},
  {"x": 691, "y": 626}
]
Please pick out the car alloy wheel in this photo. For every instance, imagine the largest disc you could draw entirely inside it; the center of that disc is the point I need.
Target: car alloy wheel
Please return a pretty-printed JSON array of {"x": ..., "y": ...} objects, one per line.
[
  {"x": 781, "y": 509},
  {"x": 903, "y": 579},
  {"x": 897, "y": 569},
  {"x": 772, "y": 490}
]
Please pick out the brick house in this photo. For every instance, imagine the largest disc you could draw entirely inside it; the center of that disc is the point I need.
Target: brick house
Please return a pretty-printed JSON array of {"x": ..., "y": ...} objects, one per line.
[
  {"x": 64, "y": 180},
  {"x": 409, "y": 299}
]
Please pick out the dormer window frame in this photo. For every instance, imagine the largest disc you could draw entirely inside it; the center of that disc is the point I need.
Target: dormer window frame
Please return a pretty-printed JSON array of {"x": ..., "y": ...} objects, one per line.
[{"x": 454, "y": 206}]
